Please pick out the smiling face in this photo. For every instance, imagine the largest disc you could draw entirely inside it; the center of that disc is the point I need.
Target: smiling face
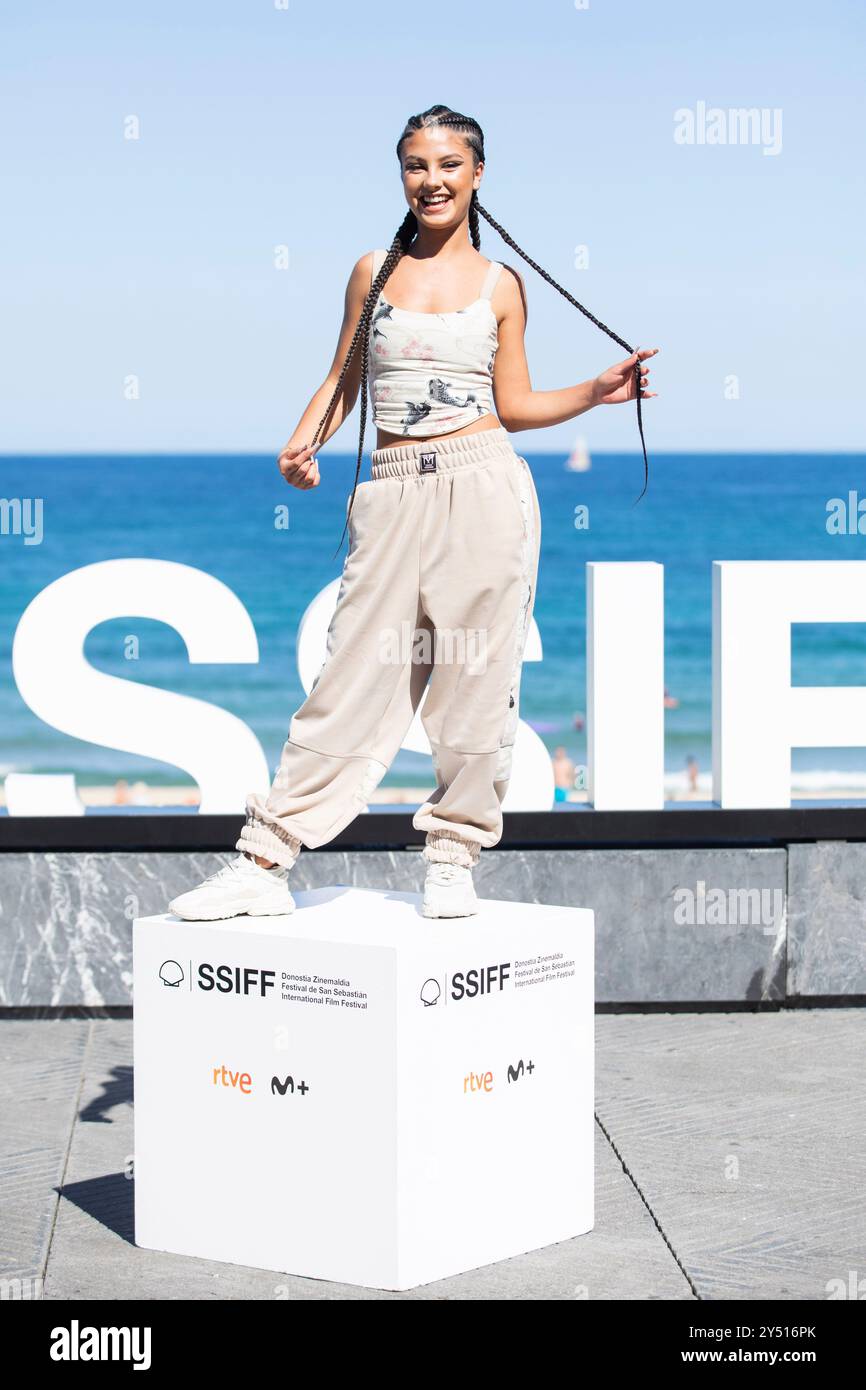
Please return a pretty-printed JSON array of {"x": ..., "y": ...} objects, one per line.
[{"x": 439, "y": 175}]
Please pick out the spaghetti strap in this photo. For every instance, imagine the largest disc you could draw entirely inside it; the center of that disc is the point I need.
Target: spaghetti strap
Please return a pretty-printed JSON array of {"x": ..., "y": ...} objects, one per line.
[
  {"x": 378, "y": 260},
  {"x": 490, "y": 279}
]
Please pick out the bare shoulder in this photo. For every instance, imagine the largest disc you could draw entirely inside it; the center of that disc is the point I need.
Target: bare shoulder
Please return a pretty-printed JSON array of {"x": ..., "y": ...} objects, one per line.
[
  {"x": 513, "y": 279},
  {"x": 362, "y": 270},
  {"x": 360, "y": 279},
  {"x": 510, "y": 290}
]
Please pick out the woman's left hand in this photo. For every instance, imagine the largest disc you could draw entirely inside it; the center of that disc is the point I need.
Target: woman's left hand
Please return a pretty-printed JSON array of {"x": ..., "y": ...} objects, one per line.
[{"x": 617, "y": 384}]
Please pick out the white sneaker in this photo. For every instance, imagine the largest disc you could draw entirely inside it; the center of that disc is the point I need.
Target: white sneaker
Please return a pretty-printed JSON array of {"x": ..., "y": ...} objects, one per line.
[
  {"x": 242, "y": 887},
  {"x": 449, "y": 891}
]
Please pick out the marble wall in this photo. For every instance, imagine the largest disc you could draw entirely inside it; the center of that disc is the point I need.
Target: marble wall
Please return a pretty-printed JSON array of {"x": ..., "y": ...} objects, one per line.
[
  {"x": 827, "y": 918},
  {"x": 672, "y": 926}
]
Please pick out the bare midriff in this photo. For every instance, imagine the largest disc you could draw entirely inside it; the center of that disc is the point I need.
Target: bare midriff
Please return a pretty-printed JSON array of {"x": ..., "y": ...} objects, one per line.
[{"x": 484, "y": 422}]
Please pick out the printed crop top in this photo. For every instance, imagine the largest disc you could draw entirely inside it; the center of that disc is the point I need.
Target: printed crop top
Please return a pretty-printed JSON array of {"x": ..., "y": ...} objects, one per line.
[{"x": 432, "y": 373}]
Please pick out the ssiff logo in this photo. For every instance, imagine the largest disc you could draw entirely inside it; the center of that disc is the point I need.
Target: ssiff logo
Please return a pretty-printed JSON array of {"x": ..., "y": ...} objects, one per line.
[
  {"x": 221, "y": 979},
  {"x": 470, "y": 983},
  {"x": 171, "y": 973},
  {"x": 430, "y": 991},
  {"x": 467, "y": 984},
  {"x": 235, "y": 979}
]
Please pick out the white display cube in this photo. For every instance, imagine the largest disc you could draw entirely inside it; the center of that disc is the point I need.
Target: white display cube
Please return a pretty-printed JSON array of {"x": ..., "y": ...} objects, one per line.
[{"x": 358, "y": 1093}]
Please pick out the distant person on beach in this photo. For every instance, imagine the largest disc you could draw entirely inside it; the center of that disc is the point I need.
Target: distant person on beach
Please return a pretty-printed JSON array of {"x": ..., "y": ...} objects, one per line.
[
  {"x": 126, "y": 795},
  {"x": 445, "y": 532},
  {"x": 579, "y": 720},
  {"x": 563, "y": 774},
  {"x": 692, "y": 773}
]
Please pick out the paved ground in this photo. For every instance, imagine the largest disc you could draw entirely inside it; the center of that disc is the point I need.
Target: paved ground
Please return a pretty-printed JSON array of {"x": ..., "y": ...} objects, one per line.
[{"x": 731, "y": 1164}]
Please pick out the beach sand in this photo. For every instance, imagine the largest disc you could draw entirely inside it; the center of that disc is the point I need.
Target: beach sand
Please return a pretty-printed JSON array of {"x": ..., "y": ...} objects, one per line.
[{"x": 676, "y": 790}]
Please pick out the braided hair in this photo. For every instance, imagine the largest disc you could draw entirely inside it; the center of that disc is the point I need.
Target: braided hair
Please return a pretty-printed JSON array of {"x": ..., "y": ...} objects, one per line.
[{"x": 403, "y": 239}]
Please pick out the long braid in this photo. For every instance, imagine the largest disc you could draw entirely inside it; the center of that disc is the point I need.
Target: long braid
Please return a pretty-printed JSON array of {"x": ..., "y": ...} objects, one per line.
[
  {"x": 591, "y": 317},
  {"x": 474, "y": 224},
  {"x": 402, "y": 240},
  {"x": 475, "y": 137}
]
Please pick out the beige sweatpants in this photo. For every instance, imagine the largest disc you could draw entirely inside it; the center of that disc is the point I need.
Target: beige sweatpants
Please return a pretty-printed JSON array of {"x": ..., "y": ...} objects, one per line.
[{"x": 437, "y": 593}]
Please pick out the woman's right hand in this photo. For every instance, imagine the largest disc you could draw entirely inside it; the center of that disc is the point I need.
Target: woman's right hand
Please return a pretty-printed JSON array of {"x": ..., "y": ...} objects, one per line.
[{"x": 299, "y": 466}]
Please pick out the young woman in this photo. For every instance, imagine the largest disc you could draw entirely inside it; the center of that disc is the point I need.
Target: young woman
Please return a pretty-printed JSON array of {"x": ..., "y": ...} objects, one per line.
[{"x": 443, "y": 540}]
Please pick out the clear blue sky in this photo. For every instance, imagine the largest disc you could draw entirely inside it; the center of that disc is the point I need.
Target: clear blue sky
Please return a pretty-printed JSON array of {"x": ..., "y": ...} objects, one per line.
[{"x": 262, "y": 126}]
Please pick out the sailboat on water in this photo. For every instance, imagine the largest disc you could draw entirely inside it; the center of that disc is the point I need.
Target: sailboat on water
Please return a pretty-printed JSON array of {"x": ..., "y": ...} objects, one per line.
[{"x": 578, "y": 460}]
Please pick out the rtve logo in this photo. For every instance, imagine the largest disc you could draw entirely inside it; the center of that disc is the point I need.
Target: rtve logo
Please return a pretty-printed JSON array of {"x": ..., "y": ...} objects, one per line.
[
  {"x": 477, "y": 1081},
  {"x": 234, "y": 1080}
]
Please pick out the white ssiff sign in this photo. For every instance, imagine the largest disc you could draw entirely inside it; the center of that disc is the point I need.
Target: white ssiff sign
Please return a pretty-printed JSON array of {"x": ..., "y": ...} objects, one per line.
[{"x": 758, "y": 715}]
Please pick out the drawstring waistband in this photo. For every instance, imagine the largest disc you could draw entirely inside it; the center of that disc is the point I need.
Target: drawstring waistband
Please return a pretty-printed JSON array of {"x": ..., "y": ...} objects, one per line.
[{"x": 440, "y": 456}]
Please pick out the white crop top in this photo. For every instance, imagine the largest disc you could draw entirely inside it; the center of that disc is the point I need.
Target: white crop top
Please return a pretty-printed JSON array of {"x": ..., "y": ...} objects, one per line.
[{"x": 432, "y": 373}]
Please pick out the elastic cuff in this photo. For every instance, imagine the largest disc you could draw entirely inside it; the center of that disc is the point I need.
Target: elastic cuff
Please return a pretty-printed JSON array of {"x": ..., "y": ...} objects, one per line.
[
  {"x": 446, "y": 847},
  {"x": 269, "y": 842}
]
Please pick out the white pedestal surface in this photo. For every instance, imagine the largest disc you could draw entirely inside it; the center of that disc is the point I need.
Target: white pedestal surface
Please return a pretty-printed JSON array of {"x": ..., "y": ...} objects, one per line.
[{"x": 336, "y": 1094}]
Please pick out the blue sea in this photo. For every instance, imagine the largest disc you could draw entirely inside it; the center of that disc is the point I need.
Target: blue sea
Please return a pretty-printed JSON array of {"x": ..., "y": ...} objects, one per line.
[{"x": 217, "y": 513}]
